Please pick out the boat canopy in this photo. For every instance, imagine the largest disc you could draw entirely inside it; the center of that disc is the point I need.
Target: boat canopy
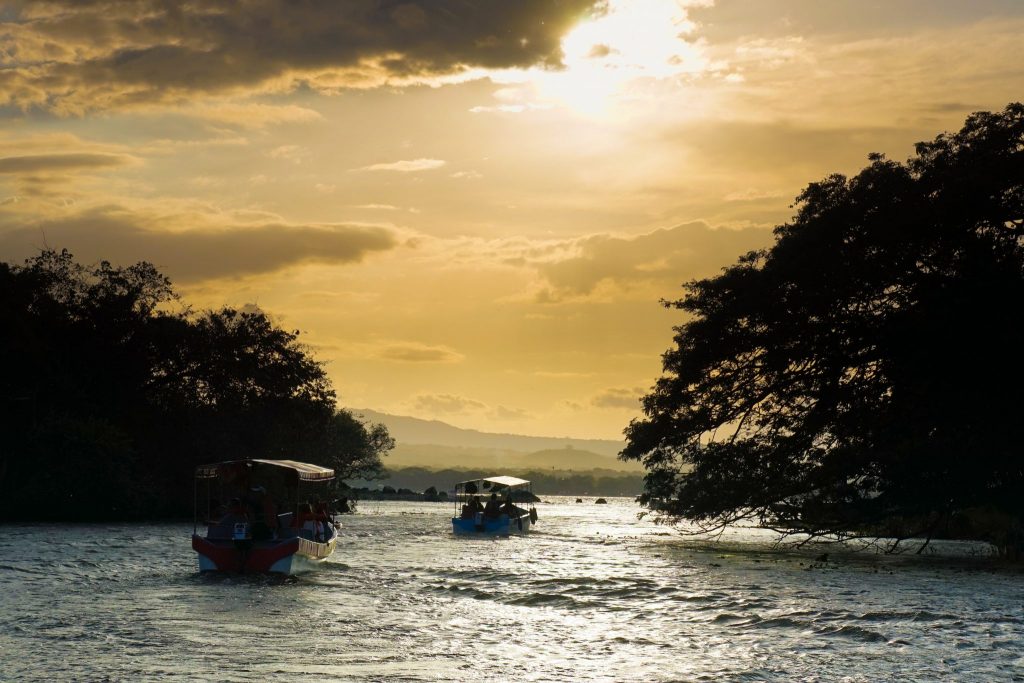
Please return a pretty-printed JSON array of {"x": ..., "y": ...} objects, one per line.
[
  {"x": 304, "y": 471},
  {"x": 496, "y": 482}
]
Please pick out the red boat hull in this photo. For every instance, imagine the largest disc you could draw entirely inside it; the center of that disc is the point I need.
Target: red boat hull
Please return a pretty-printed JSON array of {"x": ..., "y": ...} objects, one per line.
[{"x": 287, "y": 556}]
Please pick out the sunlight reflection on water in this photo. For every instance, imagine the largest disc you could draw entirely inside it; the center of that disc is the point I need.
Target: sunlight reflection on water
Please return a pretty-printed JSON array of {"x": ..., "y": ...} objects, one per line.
[{"x": 594, "y": 594}]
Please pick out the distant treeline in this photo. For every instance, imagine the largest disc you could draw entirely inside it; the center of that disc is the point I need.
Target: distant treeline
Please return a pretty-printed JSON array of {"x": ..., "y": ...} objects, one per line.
[
  {"x": 111, "y": 392},
  {"x": 551, "y": 483}
]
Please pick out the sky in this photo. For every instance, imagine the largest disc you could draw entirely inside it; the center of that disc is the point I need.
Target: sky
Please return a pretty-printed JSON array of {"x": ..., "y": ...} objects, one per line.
[{"x": 470, "y": 209}]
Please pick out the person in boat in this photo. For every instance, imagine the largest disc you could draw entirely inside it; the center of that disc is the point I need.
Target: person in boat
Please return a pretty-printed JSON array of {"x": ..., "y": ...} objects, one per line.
[
  {"x": 323, "y": 518},
  {"x": 511, "y": 509},
  {"x": 259, "y": 506},
  {"x": 493, "y": 508},
  {"x": 235, "y": 512},
  {"x": 270, "y": 509},
  {"x": 309, "y": 519},
  {"x": 469, "y": 511},
  {"x": 217, "y": 511}
]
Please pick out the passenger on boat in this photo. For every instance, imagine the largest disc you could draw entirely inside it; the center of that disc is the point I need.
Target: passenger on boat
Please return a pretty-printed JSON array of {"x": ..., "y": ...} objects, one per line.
[
  {"x": 511, "y": 509},
  {"x": 236, "y": 512},
  {"x": 270, "y": 515},
  {"x": 310, "y": 520},
  {"x": 469, "y": 511},
  {"x": 305, "y": 515},
  {"x": 217, "y": 510},
  {"x": 258, "y": 505},
  {"x": 493, "y": 508},
  {"x": 323, "y": 518}
]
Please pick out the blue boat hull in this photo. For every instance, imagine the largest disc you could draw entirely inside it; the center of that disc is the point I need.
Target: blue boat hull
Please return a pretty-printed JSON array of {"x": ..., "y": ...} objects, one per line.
[{"x": 492, "y": 526}]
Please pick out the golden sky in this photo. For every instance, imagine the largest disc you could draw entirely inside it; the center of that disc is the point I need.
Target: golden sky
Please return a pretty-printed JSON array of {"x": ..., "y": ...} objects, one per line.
[{"x": 470, "y": 209}]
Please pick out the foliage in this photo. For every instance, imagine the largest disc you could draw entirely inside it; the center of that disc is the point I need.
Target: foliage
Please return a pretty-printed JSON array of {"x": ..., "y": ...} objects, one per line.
[
  {"x": 110, "y": 398},
  {"x": 864, "y": 369},
  {"x": 545, "y": 482}
]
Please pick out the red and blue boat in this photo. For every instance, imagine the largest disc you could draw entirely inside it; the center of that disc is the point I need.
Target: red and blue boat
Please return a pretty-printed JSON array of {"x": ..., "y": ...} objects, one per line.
[{"x": 263, "y": 516}]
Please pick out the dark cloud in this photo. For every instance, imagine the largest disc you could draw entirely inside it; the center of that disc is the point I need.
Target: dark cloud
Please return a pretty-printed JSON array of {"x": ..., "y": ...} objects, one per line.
[
  {"x": 48, "y": 163},
  {"x": 446, "y": 403},
  {"x": 419, "y": 353},
  {"x": 83, "y": 54},
  {"x": 671, "y": 255},
  {"x": 115, "y": 235},
  {"x": 618, "y": 398}
]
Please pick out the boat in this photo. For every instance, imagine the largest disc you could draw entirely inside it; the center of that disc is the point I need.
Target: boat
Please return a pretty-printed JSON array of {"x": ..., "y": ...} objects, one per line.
[
  {"x": 265, "y": 528},
  {"x": 488, "y": 507}
]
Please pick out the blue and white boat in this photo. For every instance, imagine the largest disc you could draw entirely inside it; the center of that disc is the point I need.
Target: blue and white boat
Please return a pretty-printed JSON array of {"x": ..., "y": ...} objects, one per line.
[{"x": 488, "y": 507}]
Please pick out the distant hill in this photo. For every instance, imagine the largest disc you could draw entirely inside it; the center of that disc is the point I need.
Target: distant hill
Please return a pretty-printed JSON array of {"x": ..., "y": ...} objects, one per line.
[
  {"x": 431, "y": 443},
  {"x": 436, "y": 457}
]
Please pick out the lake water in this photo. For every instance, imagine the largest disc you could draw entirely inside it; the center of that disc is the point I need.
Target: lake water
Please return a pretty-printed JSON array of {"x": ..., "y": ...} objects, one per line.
[{"x": 594, "y": 594}]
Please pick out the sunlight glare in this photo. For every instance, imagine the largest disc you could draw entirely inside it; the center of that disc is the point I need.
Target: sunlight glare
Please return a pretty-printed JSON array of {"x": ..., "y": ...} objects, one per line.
[{"x": 611, "y": 54}]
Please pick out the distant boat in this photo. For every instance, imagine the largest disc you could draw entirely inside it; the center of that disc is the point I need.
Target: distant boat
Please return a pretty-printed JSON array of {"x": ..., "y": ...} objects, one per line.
[
  {"x": 256, "y": 520},
  {"x": 488, "y": 507}
]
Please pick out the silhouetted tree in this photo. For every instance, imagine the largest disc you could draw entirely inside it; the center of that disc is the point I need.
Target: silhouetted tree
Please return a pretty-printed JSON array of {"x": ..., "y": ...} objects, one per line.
[
  {"x": 110, "y": 397},
  {"x": 863, "y": 375}
]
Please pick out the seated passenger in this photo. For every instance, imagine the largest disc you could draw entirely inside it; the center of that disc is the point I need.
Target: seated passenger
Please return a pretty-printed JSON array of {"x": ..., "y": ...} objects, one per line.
[
  {"x": 305, "y": 515},
  {"x": 270, "y": 515},
  {"x": 474, "y": 505},
  {"x": 309, "y": 520},
  {"x": 258, "y": 504},
  {"x": 493, "y": 508},
  {"x": 236, "y": 512}
]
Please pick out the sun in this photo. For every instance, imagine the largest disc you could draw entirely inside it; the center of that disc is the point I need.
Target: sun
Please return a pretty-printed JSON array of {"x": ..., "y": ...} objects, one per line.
[{"x": 608, "y": 56}]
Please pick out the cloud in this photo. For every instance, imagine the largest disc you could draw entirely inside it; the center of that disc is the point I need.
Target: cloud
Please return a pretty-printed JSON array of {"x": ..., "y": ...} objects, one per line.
[
  {"x": 292, "y": 153},
  {"x": 412, "y": 352},
  {"x": 505, "y": 413},
  {"x": 671, "y": 256},
  {"x": 191, "y": 246},
  {"x": 60, "y": 163},
  {"x": 618, "y": 398},
  {"x": 406, "y": 166},
  {"x": 752, "y": 194},
  {"x": 508, "y": 108},
  {"x": 72, "y": 56},
  {"x": 377, "y": 207},
  {"x": 446, "y": 404},
  {"x": 251, "y": 116}
]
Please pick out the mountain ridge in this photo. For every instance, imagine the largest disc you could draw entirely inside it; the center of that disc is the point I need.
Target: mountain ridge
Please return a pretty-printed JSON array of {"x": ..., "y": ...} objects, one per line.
[
  {"x": 433, "y": 443},
  {"x": 416, "y": 430}
]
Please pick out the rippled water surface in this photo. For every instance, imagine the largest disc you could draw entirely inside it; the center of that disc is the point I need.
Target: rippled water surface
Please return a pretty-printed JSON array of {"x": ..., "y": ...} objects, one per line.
[{"x": 593, "y": 594}]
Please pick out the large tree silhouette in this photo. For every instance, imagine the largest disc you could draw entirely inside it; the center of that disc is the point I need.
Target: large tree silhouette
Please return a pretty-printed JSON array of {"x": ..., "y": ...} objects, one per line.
[
  {"x": 110, "y": 395},
  {"x": 864, "y": 375}
]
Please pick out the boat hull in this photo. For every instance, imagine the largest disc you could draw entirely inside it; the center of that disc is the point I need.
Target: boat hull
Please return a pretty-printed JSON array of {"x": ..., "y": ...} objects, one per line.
[
  {"x": 493, "y": 526},
  {"x": 287, "y": 556}
]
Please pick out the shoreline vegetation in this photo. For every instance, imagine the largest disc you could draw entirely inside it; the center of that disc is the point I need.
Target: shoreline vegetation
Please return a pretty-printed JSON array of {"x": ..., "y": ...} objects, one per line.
[
  {"x": 112, "y": 391},
  {"x": 598, "y": 482}
]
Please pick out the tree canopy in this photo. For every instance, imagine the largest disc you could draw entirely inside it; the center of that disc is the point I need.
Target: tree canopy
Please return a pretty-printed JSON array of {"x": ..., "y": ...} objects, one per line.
[
  {"x": 111, "y": 393},
  {"x": 864, "y": 374}
]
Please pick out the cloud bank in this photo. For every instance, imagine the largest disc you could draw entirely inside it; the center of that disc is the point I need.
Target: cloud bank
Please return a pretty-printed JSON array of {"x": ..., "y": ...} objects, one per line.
[
  {"x": 229, "y": 248},
  {"x": 73, "y": 56}
]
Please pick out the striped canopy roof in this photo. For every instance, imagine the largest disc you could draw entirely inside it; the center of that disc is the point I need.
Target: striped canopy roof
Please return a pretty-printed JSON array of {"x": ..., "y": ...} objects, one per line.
[
  {"x": 303, "y": 470},
  {"x": 497, "y": 482}
]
